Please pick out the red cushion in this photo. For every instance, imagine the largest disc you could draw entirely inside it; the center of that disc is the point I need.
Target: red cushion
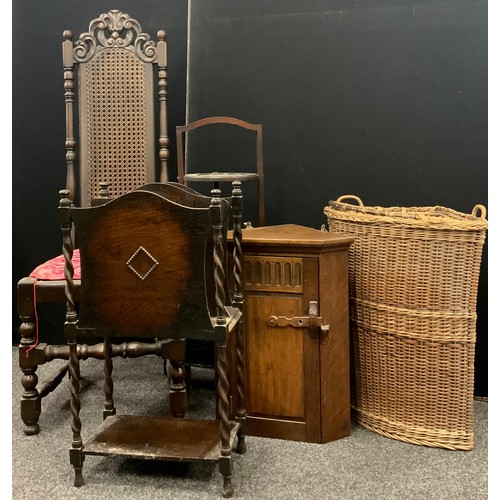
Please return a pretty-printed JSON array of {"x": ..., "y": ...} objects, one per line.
[{"x": 53, "y": 269}]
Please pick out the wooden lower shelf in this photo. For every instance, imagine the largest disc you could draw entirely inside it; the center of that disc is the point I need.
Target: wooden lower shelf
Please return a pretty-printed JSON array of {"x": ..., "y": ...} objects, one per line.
[{"x": 158, "y": 438}]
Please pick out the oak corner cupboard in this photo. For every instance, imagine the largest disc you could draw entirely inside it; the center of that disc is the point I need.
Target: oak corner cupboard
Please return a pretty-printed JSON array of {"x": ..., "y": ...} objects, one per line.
[{"x": 296, "y": 333}]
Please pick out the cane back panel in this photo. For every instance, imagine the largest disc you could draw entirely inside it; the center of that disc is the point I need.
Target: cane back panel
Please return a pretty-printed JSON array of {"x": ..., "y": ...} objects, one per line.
[{"x": 116, "y": 106}]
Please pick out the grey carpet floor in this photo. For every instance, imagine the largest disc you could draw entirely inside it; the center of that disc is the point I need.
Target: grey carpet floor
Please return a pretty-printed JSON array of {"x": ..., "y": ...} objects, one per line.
[{"x": 364, "y": 466}]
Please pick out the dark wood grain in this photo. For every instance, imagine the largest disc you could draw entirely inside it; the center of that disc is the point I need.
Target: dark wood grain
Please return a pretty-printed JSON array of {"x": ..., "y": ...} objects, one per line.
[
  {"x": 153, "y": 267},
  {"x": 297, "y": 379},
  {"x": 112, "y": 235},
  {"x": 334, "y": 349}
]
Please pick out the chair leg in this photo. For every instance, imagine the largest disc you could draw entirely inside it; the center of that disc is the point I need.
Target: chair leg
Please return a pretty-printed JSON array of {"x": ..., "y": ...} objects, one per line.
[
  {"x": 227, "y": 485},
  {"x": 177, "y": 378},
  {"x": 109, "y": 405},
  {"x": 225, "y": 460},
  {"x": 241, "y": 414},
  {"x": 188, "y": 375},
  {"x": 30, "y": 399},
  {"x": 76, "y": 451}
]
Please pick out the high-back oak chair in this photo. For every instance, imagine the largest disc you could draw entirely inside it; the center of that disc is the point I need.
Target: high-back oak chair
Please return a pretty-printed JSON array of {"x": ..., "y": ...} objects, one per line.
[
  {"x": 111, "y": 76},
  {"x": 153, "y": 266},
  {"x": 187, "y": 172}
]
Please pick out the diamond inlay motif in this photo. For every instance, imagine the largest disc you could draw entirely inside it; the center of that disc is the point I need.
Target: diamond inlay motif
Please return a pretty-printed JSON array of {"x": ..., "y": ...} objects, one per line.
[{"x": 142, "y": 263}]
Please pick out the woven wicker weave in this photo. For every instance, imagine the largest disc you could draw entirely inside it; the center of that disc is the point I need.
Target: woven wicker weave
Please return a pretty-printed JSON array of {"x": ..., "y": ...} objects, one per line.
[{"x": 413, "y": 278}]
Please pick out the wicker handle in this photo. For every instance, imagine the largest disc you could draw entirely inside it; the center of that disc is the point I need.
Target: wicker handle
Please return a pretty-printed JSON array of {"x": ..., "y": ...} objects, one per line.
[
  {"x": 482, "y": 211},
  {"x": 352, "y": 197}
]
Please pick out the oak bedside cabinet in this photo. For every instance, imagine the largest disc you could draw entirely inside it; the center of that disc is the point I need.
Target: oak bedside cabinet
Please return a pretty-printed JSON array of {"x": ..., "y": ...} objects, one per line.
[{"x": 296, "y": 333}]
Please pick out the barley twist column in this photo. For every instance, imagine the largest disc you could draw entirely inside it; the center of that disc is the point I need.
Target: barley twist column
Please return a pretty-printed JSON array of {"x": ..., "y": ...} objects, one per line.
[
  {"x": 237, "y": 208},
  {"x": 70, "y": 330},
  {"x": 225, "y": 463}
]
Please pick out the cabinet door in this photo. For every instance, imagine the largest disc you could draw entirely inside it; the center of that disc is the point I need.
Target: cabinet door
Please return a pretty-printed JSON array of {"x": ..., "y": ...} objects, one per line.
[{"x": 282, "y": 362}]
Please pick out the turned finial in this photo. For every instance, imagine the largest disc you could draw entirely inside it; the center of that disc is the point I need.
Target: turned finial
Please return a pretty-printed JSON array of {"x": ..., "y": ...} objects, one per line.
[
  {"x": 236, "y": 188},
  {"x": 162, "y": 35},
  {"x": 216, "y": 194},
  {"x": 68, "y": 34},
  {"x": 64, "y": 195},
  {"x": 103, "y": 190}
]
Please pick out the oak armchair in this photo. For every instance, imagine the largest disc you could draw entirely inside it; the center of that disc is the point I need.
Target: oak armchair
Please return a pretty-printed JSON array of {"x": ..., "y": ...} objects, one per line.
[{"x": 153, "y": 266}]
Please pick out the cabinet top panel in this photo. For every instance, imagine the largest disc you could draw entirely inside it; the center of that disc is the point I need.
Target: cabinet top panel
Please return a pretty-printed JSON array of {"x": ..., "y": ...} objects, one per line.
[{"x": 292, "y": 234}]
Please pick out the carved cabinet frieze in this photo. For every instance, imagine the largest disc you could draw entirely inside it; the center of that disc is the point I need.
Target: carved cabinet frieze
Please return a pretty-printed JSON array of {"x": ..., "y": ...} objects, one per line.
[{"x": 273, "y": 274}]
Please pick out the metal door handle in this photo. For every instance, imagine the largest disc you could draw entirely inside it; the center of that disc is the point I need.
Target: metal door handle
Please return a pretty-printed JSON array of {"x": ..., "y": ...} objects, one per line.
[{"x": 314, "y": 322}]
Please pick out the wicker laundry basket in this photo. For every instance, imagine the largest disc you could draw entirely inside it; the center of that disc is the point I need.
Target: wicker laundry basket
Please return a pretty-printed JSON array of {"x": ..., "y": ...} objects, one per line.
[{"x": 413, "y": 278}]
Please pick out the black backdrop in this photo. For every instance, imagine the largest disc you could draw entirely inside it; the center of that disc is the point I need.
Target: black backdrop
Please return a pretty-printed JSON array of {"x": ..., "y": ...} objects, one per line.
[{"x": 383, "y": 99}]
